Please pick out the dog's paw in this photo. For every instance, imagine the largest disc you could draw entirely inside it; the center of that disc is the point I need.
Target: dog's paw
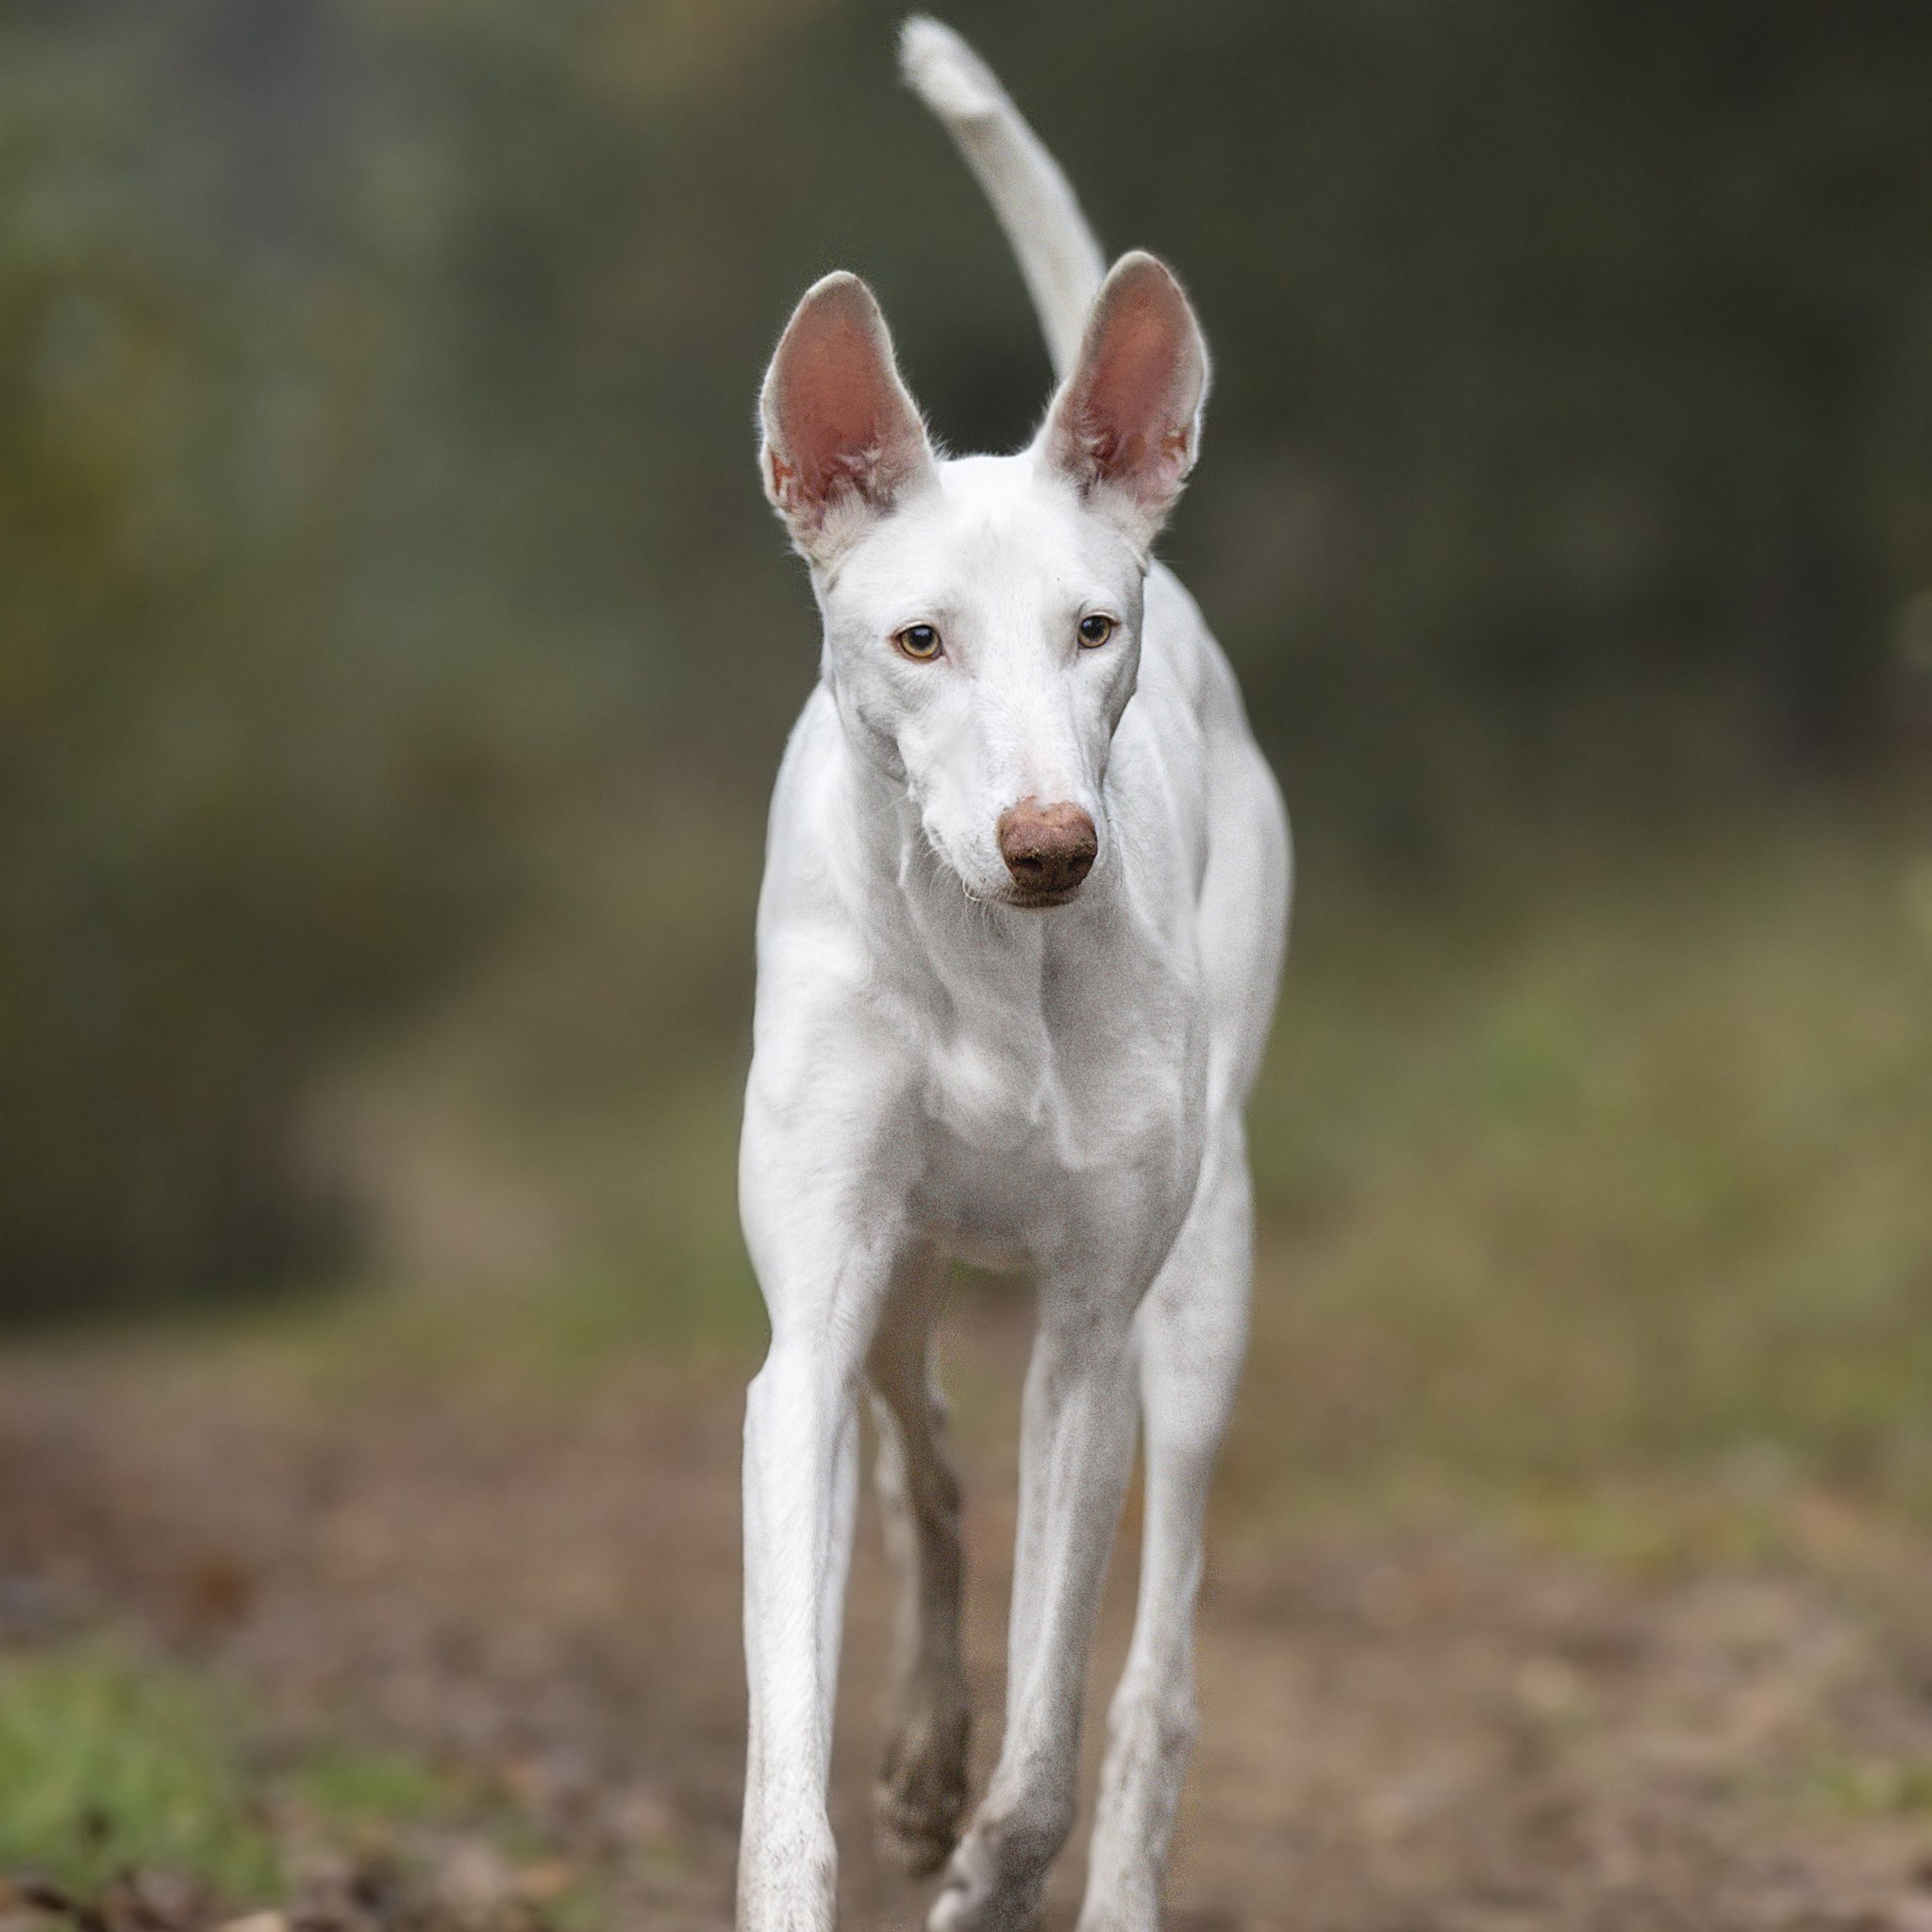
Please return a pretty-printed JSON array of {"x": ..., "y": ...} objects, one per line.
[
  {"x": 994, "y": 1882},
  {"x": 920, "y": 1794},
  {"x": 985, "y": 1905},
  {"x": 911, "y": 1839}
]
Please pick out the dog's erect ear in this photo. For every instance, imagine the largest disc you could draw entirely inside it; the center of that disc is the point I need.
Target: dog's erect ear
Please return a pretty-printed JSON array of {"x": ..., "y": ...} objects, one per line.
[
  {"x": 843, "y": 439},
  {"x": 1127, "y": 426}
]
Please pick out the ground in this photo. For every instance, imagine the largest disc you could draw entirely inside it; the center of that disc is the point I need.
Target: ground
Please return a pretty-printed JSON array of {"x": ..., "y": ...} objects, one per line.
[{"x": 1436, "y": 1724}]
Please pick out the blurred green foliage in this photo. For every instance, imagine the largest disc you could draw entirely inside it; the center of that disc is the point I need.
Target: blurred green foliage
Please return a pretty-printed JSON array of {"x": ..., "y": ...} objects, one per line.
[
  {"x": 249, "y": 800},
  {"x": 1622, "y": 1176},
  {"x": 377, "y": 522}
]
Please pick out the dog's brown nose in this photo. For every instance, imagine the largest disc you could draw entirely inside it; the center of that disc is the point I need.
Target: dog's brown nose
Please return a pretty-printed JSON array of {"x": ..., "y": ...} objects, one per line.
[{"x": 1048, "y": 848}]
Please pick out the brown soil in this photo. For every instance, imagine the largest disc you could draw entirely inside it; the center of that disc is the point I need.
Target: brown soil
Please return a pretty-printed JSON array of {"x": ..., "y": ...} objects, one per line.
[{"x": 1405, "y": 1730}]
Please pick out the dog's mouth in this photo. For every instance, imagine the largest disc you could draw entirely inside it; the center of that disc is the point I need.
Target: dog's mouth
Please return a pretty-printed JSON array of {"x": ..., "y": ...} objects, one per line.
[
  {"x": 1028, "y": 901},
  {"x": 1021, "y": 900}
]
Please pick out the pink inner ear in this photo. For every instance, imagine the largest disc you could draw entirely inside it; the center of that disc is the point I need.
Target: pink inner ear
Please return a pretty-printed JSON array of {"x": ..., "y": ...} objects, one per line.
[
  {"x": 841, "y": 418},
  {"x": 1127, "y": 417},
  {"x": 831, "y": 405},
  {"x": 1130, "y": 400}
]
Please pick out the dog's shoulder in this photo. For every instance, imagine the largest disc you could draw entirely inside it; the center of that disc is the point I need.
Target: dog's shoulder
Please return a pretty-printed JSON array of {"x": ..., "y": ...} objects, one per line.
[{"x": 1182, "y": 659}]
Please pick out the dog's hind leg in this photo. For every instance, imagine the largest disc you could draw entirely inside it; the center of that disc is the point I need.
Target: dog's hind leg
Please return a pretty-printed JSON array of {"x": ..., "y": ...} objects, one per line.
[
  {"x": 1189, "y": 1336},
  {"x": 922, "y": 1786},
  {"x": 1077, "y": 1448}
]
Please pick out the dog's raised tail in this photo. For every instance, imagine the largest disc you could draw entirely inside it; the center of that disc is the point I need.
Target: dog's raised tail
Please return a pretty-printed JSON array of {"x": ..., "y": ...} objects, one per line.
[{"x": 1034, "y": 201}]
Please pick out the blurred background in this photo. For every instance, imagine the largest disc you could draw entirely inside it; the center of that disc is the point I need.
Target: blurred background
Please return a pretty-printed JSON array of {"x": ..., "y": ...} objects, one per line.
[
  {"x": 395, "y": 652},
  {"x": 386, "y": 586}
]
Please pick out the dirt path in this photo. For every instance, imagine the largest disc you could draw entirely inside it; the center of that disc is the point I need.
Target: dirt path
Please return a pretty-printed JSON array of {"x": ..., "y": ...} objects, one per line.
[{"x": 1402, "y": 1731}]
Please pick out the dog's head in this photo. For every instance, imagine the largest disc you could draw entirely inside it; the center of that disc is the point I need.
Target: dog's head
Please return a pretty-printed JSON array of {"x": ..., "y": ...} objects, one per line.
[{"x": 982, "y": 616}]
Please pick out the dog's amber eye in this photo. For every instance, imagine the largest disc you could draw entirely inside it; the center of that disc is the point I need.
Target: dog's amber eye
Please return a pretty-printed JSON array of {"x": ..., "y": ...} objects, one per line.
[
  {"x": 1094, "y": 631},
  {"x": 918, "y": 641}
]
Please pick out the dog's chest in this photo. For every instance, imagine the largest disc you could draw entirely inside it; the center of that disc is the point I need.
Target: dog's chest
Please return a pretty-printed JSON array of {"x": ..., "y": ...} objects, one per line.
[
  {"x": 1035, "y": 1096},
  {"x": 992, "y": 1085}
]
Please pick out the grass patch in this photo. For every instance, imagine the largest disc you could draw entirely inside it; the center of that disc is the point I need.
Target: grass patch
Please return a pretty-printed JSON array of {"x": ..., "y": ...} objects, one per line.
[
  {"x": 337, "y": 1787},
  {"x": 110, "y": 1763},
  {"x": 104, "y": 1765},
  {"x": 1874, "y": 1788}
]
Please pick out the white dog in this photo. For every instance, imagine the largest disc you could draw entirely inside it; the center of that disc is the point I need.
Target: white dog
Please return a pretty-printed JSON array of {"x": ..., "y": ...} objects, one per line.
[{"x": 1024, "y": 902}]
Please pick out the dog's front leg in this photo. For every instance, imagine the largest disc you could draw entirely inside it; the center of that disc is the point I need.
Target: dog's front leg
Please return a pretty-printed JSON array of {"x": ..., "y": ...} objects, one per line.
[
  {"x": 800, "y": 1492},
  {"x": 1077, "y": 1449},
  {"x": 1189, "y": 1337},
  {"x": 821, "y": 1222}
]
